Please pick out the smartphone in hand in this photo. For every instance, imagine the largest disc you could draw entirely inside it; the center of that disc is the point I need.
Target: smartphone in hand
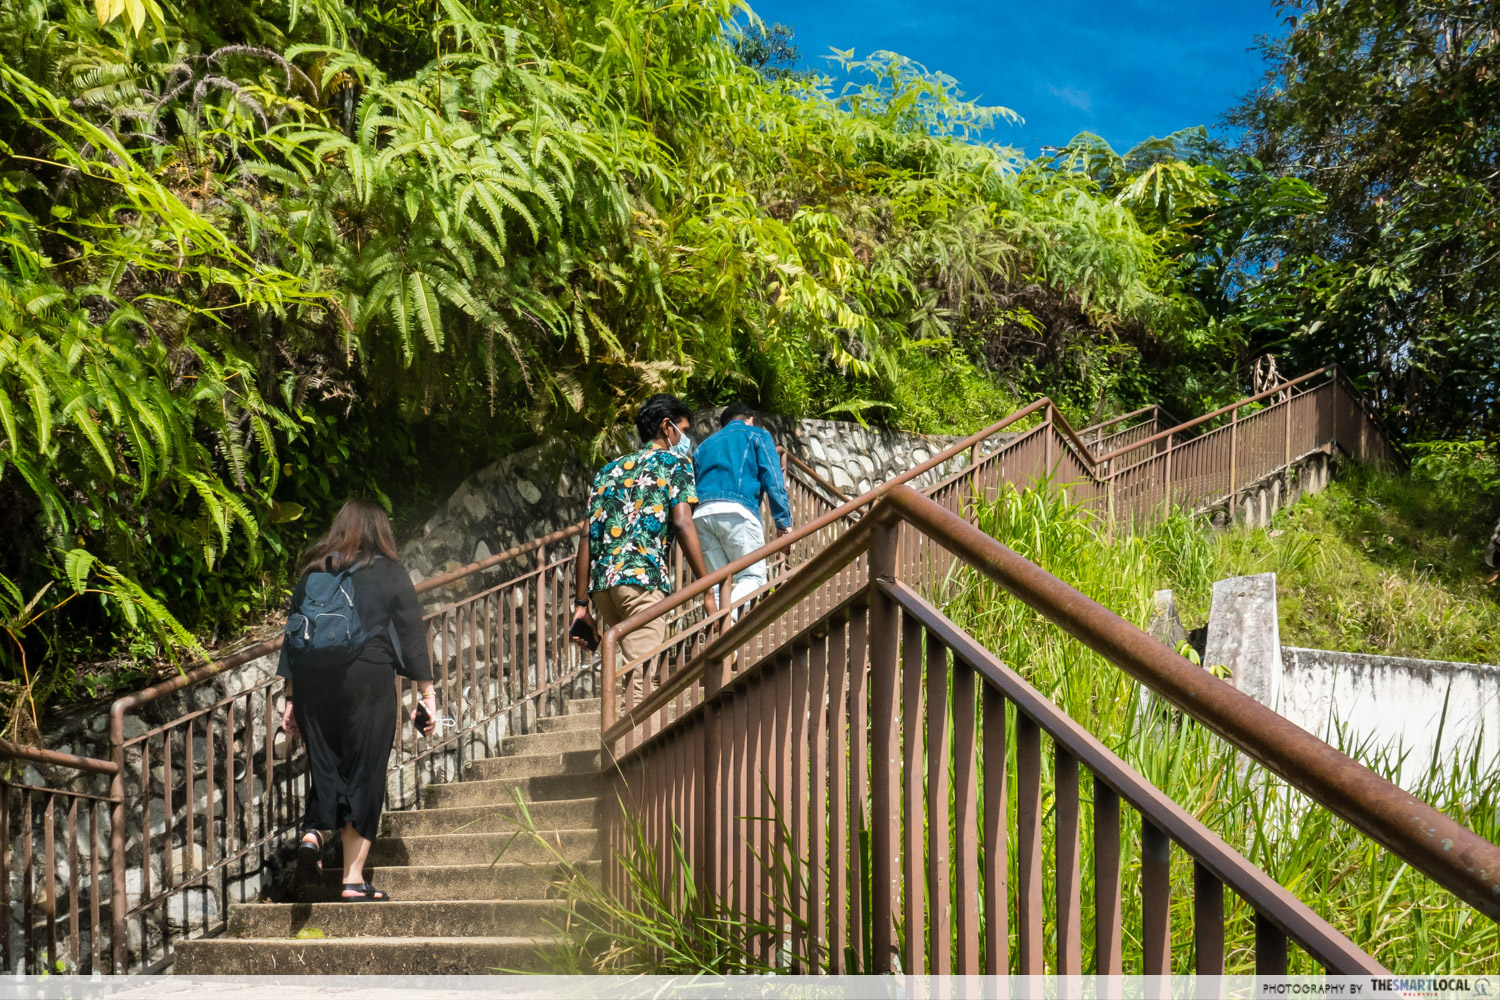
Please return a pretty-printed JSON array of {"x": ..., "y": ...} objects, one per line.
[
  {"x": 584, "y": 632},
  {"x": 420, "y": 718}
]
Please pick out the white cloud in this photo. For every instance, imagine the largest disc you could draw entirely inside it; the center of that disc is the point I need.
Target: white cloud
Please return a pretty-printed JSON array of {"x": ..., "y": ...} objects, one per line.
[{"x": 1073, "y": 97}]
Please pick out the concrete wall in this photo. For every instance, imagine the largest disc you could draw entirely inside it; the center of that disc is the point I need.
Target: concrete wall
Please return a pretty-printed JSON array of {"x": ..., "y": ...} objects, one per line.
[{"x": 1430, "y": 710}]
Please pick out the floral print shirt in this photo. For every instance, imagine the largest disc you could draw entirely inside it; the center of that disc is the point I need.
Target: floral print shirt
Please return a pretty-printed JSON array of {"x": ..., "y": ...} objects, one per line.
[{"x": 630, "y": 525}]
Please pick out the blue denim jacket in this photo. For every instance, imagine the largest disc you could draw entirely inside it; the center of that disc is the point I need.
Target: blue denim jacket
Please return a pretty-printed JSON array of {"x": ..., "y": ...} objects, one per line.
[{"x": 739, "y": 463}]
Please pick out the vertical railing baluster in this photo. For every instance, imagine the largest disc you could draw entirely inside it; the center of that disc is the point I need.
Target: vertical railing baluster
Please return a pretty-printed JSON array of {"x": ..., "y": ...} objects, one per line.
[
  {"x": 49, "y": 876},
  {"x": 96, "y": 946},
  {"x": 766, "y": 715},
  {"x": 996, "y": 860},
  {"x": 210, "y": 842},
  {"x": 885, "y": 812},
  {"x": 28, "y": 903},
  {"x": 1068, "y": 858},
  {"x": 1029, "y": 914},
  {"x": 939, "y": 885},
  {"x": 753, "y": 850},
  {"x": 75, "y": 951},
  {"x": 1156, "y": 900},
  {"x": 744, "y": 770},
  {"x": 841, "y": 731},
  {"x": 1107, "y": 922},
  {"x": 815, "y": 825},
  {"x": 229, "y": 781},
  {"x": 541, "y": 621},
  {"x": 190, "y": 769},
  {"x": 912, "y": 846},
  {"x": 1270, "y": 948},
  {"x": 781, "y": 771},
  {"x": 965, "y": 821},
  {"x": 798, "y": 852},
  {"x": 146, "y": 837},
  {"x": 1208, "y": 922},
  {"x": 7, "y": 845}
]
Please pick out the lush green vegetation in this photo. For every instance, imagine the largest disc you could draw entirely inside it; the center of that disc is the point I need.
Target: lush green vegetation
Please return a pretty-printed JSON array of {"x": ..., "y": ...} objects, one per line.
[
  {"x": 1378, "y": 563},
  {"x": 257, "y": 258},
  {"x": 1392, "y": 109}
]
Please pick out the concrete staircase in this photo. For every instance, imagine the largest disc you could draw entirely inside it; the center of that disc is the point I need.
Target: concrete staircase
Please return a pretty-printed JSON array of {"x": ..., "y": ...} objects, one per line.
[{"x": 455, "y": 908}]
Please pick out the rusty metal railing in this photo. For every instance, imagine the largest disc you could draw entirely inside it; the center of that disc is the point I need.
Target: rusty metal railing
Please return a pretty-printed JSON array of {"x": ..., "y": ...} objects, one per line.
[
  {"x": 842, "y": 729},
  {"x": 1199, "y": 465},
  {"x": 193, "y": 801},
  {"x": 1218, "y": 457},
  {"x": 151, "y": 844}
]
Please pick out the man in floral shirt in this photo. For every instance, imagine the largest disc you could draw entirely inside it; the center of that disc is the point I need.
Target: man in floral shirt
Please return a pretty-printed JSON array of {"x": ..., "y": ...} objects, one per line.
[{"x": 640, "y": 504}]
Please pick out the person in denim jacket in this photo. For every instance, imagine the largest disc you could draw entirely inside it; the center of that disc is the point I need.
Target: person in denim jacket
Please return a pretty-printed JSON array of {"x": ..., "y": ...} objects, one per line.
[{"x": 736, "y": 467}]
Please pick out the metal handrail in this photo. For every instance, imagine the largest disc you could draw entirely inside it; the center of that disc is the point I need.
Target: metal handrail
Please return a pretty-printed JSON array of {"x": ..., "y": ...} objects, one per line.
[
  {"x": 55, "y": 758},
  {"x": 610, "y": 644},
  {"x": 1426, "y": 838},
  {"x": 1332, "y": 949},
  {"x": 1196, "y": 421},
  {"x": 818, "y": 481}
]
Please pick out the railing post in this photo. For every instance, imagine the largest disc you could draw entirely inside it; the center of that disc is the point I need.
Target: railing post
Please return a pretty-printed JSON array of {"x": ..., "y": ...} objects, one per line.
[
  {"x": 1048, "y": 437},
  {"x": 541, "y": 621},
  {"x": 1234, "y": 428},
  {"x": 119, "y": 901},
  {"x": 1166, "y": 493},
  {"x": 885, "y": 810}
]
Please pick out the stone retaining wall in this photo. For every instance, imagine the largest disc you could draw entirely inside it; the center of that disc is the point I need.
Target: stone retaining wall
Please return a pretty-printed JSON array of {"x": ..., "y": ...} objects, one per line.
[{"x": 537, "y": 491}]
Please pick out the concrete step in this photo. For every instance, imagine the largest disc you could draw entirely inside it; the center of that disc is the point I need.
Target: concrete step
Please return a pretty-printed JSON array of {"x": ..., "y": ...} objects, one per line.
[
  {"x": 578, "y": 739},
  {"x": 553, "y": 814},
  {"x": 502, "y": 791},
  {"x": 507, "y": 880},
  {"x": 534, "y": 765},
  {"x": 583, "y": 706},
  {"x": 397, "y": 919},
  {"x": 483, "y": 848},
  {"x": 370, "y": 956},
  {"x": 568, "y": 723}
]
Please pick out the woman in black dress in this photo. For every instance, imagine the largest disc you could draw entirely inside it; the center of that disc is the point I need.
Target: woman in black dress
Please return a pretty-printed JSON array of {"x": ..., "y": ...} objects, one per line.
[{"x": 347, "y": 711}]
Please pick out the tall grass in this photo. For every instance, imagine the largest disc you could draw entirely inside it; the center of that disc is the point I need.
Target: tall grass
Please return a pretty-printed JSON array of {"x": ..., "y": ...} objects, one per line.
[
  {"x": 1386, "y": 908},
  {"x": 1377, "y": 563}
]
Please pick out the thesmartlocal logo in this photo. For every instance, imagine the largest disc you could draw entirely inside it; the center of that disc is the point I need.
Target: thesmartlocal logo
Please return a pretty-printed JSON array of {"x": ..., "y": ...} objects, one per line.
[{"x": 1430, "y": 986}]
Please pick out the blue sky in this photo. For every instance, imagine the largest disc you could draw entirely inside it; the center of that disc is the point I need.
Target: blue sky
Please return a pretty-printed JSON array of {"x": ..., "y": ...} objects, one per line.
[{"x": 1125, "y": 69}]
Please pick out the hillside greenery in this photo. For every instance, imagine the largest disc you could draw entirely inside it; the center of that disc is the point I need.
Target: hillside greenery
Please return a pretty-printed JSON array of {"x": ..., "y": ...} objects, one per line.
[
  {"x": 256, "y": 258},
  {"x": 1392, "y": 108},
  {"x": 1378, "y": 563},
  {"x": 259, "y": 257}
]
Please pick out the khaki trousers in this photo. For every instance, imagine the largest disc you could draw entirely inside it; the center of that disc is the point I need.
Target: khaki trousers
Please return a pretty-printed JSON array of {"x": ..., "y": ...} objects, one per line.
[{"x": 615, "y": 604}]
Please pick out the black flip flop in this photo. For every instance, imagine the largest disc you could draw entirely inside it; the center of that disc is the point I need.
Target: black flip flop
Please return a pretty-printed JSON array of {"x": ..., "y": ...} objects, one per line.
[
  {"x": 309, "y": 858},
  {"x": 370, "y": 894}
]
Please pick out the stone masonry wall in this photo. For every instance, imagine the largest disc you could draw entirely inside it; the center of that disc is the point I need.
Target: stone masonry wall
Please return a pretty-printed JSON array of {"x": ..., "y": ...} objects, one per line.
[{"x": 533, "y": 493}]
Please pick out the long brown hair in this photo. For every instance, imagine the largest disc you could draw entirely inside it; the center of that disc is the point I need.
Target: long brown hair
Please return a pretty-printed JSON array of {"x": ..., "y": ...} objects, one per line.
[{"x": 359, "y": 533}]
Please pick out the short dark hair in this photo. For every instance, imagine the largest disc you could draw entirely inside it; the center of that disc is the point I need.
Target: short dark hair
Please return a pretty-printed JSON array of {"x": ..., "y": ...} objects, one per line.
[
  {"x": 662, "y": 406},
  {"x": 735, "y": 411}
]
